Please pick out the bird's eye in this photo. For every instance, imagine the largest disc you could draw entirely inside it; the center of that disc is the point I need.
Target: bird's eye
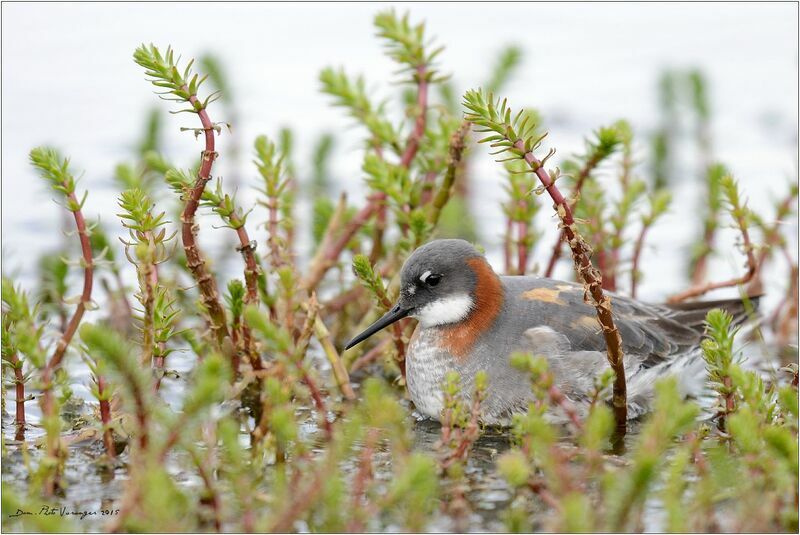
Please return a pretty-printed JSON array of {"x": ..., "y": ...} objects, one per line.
[{"x": 433, "y": 280}]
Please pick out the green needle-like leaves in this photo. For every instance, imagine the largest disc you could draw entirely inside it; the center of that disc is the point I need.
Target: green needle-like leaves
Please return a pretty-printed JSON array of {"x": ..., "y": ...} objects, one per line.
[
  {"x": 55, "y": 170},
  {"x": 164, "y": 72}
]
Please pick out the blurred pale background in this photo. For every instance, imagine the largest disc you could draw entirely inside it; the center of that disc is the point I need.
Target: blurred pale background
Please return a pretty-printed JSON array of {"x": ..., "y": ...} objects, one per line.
[{"x": 69, "y": 81}]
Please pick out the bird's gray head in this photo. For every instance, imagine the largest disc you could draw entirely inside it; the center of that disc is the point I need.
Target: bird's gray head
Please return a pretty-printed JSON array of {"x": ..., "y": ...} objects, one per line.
[{"x": 437, "y": 287}]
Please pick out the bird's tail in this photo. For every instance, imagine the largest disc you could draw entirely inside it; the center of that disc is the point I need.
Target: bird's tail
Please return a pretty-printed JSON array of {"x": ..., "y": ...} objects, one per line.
[{"x": 693, "y": 314}]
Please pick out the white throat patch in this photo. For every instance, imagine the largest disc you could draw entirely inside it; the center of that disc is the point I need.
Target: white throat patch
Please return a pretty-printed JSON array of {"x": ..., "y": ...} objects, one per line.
[{"x": 450, "y": 309}]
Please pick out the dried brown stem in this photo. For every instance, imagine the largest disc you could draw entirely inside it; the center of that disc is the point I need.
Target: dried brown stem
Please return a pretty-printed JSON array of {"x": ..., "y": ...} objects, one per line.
[
  {"x": 206, "y": 282},
  {"x": 339, "y": 371},
  {"x": 593, "y": 282}
]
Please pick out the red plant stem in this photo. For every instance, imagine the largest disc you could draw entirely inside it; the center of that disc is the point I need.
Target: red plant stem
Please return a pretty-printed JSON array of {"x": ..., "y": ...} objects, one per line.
[
  {"x": 593, "y": 281},
  {"x": 342, "y": 300},
  {"x": 558, "y": 398},
  {"x": 19, "y": 397},
  {"x": 251, "y": 272},
  {"x": 730, "y": 400},
  {"x": 455, "y": 154},
  {"x": 213, "y": 496},
  {"x": 247, "y": 248},
  {"x": 361, "y": 479},
  {"x": 427, "y": 188},
  {"x": 412, "y": 145},
  {"x": 105, "y": 417},
  {"x": 173, "y": 437},
  {"x": 554, "y": 256},
  {"x": 272, "y": 225},
  {"x": 700, "y": 266},
  {"x": 236, "y": 329},
  {"x": 582, "y": 176},
  {"x": 141, "y": 418},
  {"x": 612, "y": 270},
  {"x": 602, "y": 264},
  {"x": 48, "y": 405},
  {"x": 150, "y": 276},
  {"x": 507, "y": 245},
  {"x": 158, "y": 365},
  {"x": 305, "y": 499},
  {"x": 316, "y": 395},
  {"x": 788, "y": 324},
  {"x": 771, "y": 238},
  {"x": 369, "y": 356},
  {"x": 332, "y": 248},
  {"x": 637, "y": 254},
  {"x": 540, "y": 489},
  {"x": 752, "y": 267},
  {"x": 209, "y": 293},
  {"x": 380, "y": 228},
  {"x": 353, "y": 294},
  {"x": 300, "y": 351},
  {"x": 150, "y": 281},
  {"x": 522, "y": 246}
]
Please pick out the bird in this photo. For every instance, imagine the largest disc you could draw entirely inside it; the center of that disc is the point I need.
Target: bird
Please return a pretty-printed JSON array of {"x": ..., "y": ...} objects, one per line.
[{"x": 469, "y": 319}]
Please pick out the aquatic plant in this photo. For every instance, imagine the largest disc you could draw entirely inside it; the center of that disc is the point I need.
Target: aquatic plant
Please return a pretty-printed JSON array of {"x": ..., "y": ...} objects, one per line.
[
  {"x": 515, "y": 136},
  {"x": 221, "y": 400}
]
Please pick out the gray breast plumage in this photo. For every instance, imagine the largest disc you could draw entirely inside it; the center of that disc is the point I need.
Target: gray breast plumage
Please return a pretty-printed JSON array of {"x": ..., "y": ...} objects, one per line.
[
  {"x": 427, "y": 365},
  {"x": 426, "y": 368}
]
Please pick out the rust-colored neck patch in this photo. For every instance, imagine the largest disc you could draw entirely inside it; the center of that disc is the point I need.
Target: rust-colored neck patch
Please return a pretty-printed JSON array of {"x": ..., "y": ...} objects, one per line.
[{"x": 458, "y": 339}]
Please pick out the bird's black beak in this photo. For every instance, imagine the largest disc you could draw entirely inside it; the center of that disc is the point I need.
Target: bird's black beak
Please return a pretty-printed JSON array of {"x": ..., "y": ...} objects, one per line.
[{"x": 395, "y": 314}]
